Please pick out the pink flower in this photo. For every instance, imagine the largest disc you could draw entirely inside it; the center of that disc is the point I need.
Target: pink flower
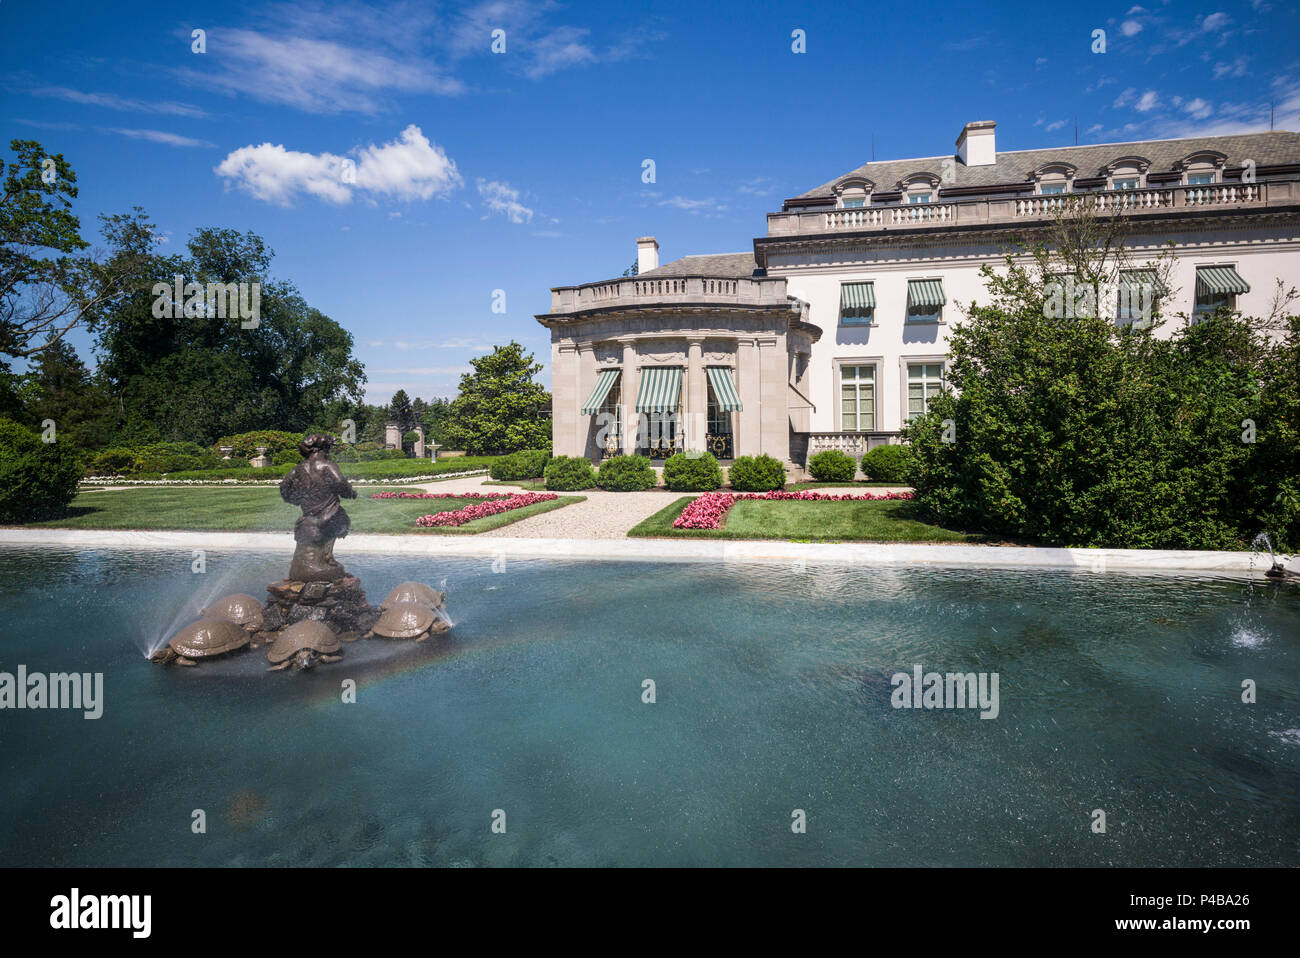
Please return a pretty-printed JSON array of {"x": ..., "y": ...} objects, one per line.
[
  {"x": 710, "y": 510},
  {"x": 491, "y": 506},
  {"x": 442, "y": 495}
]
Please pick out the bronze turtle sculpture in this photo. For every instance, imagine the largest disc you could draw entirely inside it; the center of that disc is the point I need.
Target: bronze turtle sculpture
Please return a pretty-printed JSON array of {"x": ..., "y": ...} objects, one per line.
[
  {"x": 302, "y": 645},
  {"x": 241, "y": 609},
  {"x": 409, "y": 620},
  {"x": 204, "y": 639},
  {"x": 414, "y": 592}
]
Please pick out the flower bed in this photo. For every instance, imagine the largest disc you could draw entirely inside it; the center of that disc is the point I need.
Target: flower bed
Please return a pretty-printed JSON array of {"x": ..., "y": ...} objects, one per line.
[
  {"x": 710, "y": 510},
  {"x": 481, "y": 510},
  {"x": 441, "y": 495},
  {"x": 399, "y": 481}
]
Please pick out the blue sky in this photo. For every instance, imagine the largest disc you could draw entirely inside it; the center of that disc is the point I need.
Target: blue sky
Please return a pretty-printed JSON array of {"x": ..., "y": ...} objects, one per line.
[{"x": 477, "y": 171}]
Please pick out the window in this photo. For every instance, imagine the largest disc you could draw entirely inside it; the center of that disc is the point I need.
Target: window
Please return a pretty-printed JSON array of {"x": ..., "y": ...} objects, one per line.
[
  {"x": 855, "y": 203},
  {"x": 610, "y": 408},
  {"x": 857, "y": 304},
  {"x": 1051, "y": 189},
  {"x": 924, "y": 381},
  {"x": 925, "y": 300},
  {"x": 1218, "y": 286},
  {"x": 1200, "y": 179},
  {"x": 1126, "y": 183},
  {"x": 858, "y": 398},
  {"x": 919, "y": 197}
]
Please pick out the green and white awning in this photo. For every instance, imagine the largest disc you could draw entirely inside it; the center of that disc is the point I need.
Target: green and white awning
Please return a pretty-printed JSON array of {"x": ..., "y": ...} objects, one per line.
[
  {"x": 857, "y": 297},
  {"x": 597, "y": 398},
  {"x": 1142, "y": 277},
  {"x": 660, "y": 388},
  {"x": 925, "y": 292},
  {"x": 724, "y": 389},
  {"x": 1218, "y": 280}
]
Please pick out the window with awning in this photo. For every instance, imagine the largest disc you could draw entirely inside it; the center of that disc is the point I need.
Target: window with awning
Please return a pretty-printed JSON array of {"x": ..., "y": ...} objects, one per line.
[
  {"x": 857, "y": 304},
  {"x": 724, "y": 389},
  {"x": 1130, "y": 299},
  {"x": 1218, "y": 286},
  {"x": 597, "y": 398},
  {"x": 925, "y": 300},
  {"x": 660, "y": 389}
]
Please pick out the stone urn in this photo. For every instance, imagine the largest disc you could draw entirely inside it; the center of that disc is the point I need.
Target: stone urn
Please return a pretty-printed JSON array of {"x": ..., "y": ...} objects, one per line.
[
  {"x": 433, "y": 451},
  {"x": 261, "y": 460},
  {"x": 227, "y": 451}
]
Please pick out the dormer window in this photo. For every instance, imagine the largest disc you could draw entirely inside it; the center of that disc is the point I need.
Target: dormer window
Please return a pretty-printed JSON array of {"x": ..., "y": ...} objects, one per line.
[
  {"x": 853, "y": 193},
  {"x": 853, "y": 202},
  {"x": 1203, "y": 168},
  {"x": 1053, "y": 179},
  {"x": 1125, "y": 183},
  {"x": 1127, "y": 173},
  {"x": 1051, "y": 189},
  {"x": 920, "y": 197},
  {"x": 1200, "y": 179}
]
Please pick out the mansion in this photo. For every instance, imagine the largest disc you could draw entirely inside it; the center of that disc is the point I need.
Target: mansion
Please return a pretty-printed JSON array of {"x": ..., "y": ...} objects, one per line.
[{"x": 832, "y": 331}]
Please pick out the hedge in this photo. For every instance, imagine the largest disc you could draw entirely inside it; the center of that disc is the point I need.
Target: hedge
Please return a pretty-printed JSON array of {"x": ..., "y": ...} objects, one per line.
[
  {"x": 37, "y": 479},
  {"x": 756, "y": 474},
  {"x": 569, "y": 473},
  {"x": 627, "y": 474},
  {"x": 886, "y": 463},
  {"x": 686, "y": 473},
  {"x": 831, "y": 465},
  {"x": 517, "y": 466}
]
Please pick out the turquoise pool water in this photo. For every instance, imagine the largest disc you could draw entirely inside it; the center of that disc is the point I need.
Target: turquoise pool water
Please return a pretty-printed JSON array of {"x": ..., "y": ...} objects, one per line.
[{"x": 773, "y": 694}]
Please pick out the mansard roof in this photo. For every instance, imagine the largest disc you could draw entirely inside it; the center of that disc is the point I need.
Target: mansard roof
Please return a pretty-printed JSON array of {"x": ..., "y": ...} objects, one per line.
[
  {"x": 1266, "y": 149},
  {"x": 723, "y": 265}
]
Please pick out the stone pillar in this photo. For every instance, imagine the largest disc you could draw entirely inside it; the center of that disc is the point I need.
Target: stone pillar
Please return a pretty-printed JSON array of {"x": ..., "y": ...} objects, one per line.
[
  {"x": 747, "y": 439},
  {"x": 631, "y": 383},
  {"x": 565, "y": 402},
  {"x": 775, "y": 420},
  {"x": 419, "y": 442},
  {"x": 697, "y": 396},
  {"x": 392, "y": 436},
  {"x": 585, "y": 428}
]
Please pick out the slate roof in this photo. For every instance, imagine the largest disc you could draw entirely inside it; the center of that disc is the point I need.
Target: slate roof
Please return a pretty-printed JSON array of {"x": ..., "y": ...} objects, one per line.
[
  {"x": 722, "y": 265},
  {"x": 1266, "y": 149}
]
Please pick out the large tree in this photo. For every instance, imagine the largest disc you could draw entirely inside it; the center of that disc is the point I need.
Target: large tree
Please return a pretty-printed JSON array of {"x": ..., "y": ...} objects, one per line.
[{"x": 500, "y": 408}]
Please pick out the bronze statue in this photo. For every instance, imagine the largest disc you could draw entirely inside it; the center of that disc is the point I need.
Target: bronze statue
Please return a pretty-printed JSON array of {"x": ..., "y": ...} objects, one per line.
[{"x": 316, "y": 484}]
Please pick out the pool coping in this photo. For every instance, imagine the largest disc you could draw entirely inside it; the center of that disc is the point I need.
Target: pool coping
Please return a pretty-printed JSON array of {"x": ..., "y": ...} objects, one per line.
[{"x": 677, "y": 550}]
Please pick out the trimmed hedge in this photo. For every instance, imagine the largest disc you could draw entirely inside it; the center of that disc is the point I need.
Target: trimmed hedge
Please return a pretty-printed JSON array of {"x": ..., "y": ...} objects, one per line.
[
  {"x": 245, "y": 444},
  {"x": 831, "y": 465},
  {"x": 569, "y": 473},
  {"x": 517, "y": 466},
  {"x": 682, "y": 473},
  {"x": 886, "y": 463},
  {"x": 626, "y": 474},
  {"x": 37, "y": 479},
  {"x": 756, "y": 474}
]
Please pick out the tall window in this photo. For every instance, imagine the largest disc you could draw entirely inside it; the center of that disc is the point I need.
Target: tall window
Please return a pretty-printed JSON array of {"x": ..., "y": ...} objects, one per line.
[
  {"x": 719, "y": 419},
  {"x": 924, "y": 380},
  {"x": 858, "y": 398},
  {"x": 614, "y": 431}
]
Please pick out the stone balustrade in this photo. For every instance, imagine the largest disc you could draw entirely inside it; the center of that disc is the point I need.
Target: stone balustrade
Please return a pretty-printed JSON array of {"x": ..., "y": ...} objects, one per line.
[{"x": 643, "y": 291}]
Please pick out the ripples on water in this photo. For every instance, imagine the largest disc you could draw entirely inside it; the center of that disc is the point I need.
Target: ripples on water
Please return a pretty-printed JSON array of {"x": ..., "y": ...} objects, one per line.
[{"x": 773, "y": 693}]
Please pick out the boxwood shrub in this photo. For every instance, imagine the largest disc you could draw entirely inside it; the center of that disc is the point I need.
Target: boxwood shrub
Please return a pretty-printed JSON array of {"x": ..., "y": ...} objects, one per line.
[
  {"x": 525, "y": 464},
  {"x": 569, "y": 473},
  {"x": 626, "y": 474},
  {"x": 682, "y": 473},
  {"x": 831, "y": 465},
  {"x": 756, "y": 474},
  {"x": 886, "y": 464},
  {"x": 37, "y": 479}
]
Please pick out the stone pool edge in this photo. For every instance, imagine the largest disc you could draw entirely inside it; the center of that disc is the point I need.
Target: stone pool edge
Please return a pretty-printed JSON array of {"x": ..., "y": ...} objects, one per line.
[{"x": 678, "y": 550}]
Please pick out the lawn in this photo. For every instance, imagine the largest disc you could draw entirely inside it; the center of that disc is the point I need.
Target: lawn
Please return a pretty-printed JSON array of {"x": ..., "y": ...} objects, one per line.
[
  {"x": 236, "y": 509},
  {"x": 374, "y": 469},
  {"x": 865, "y": 483},
  {"x": 528, "y": 485},
  {"x": 880, "y": 521}
]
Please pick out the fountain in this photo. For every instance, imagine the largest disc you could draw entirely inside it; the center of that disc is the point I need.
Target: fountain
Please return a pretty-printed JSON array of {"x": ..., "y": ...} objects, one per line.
[
  {"x": 1277, "y": 570},
  {"x": 319, "y": 604}
]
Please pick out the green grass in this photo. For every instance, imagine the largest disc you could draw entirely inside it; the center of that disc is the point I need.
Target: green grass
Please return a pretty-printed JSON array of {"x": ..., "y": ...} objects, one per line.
[
  {"x": 262, "y": 510},
  {"x": 530, "y": 485},
  {"x": 375, "y": 469},
  {"x": 865, "y": 483},
  {"x": 882, "y": 521}
]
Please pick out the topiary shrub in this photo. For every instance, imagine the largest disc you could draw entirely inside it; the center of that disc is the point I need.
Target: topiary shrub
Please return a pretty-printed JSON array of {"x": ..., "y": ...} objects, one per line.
[
  {"x": 114, "y": 462},
  {"x": 831, "y": 465},
  {"x": 684, "y": 473},
  {"x": 245, "y": 444},
  {"x": 569, "y": 473},
  {"x": 517, "y": 466},
  {"x": 291, "y": 457},
  {"x": 627, "y": 474},
  {"x": 37, "y": 479},
  {"x": 756, "y": 474},
  {"x": 886, "y": 464}
]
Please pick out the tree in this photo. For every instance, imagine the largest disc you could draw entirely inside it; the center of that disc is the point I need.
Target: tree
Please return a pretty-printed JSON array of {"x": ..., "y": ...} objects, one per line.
[
  {"x": 61, "y": 389},
  {"x": 437, "y": 419},
  {"x": 500, "y": 409},
  {"x": 46, "y": 287},
  {"x": 399, "y": 410}
]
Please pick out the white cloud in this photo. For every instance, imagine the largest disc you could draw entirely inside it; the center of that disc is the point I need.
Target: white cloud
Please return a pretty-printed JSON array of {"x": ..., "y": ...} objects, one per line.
[
  {"x": 692, "y": 206},
  {"x": 408, "y": 168},
  {"x": 1148, "y": 101},
  {"x": 1215, "y": 22},
  {"x": 1130, "y": 28},
  {"x": 1054, "y": 125},
  {"x": 112, "y": 101},
  {"x": 1095, "y": 128},
  {"x": 758, "y": 186},
  {"x": 1198, "y": 108},
  {"x": 1236, "y": 68},
  {"x": 157, "y": 136},
  {"x": 500, "y": 197},
  {"x": 1125, "y": 98}
]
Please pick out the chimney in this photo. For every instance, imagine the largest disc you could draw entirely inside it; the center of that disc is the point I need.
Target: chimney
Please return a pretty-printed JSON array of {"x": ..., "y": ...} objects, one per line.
[
  {"x": 647, "y": 254},
  {"x": 975, "y": 145}
]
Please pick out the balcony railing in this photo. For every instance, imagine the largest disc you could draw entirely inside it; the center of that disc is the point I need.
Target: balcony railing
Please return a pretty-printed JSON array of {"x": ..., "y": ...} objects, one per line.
[
  {"x": 637, "y": 291},
  {"x": 1025, "y": 209},
  {"x": 852, "y": 443}
]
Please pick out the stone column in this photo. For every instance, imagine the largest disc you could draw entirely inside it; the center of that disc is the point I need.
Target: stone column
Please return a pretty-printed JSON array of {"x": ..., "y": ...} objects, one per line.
[
  {"x": 631, "y": 383},
  {"x": 747, "y": 439},
  {"x": 392, "y": 436},
  {"x": 697, "y": 395},
  {"x": 565, "y": 402},
  {"x": 775, "y": 422},
  {"x": 585, "y": 377},
  {"x": 419, "y": 442}
]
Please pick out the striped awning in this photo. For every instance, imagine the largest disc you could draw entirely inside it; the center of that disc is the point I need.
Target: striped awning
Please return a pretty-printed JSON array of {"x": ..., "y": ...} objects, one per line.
[
  {"x": 1142, "y": 277},
  {"x": 1217, "y": 280},
  {"x": 660, "y": 388},
  {"x": 856, "y": 297},
  {"x": 597, "y": 398},
  {"x": 724, "y": 389},
  {"x": 925, "y": 292}
]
